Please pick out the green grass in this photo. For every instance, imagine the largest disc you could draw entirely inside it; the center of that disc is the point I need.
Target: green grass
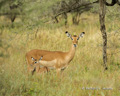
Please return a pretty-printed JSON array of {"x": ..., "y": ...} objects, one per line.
[{"x": 85, "y": 71}]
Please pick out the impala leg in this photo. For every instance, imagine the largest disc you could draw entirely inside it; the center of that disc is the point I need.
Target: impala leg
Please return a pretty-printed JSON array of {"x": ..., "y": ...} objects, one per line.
[
  {"x": 48, "y": 70},
  {"x": 37, "y": 68},
  {"x": 31, "y": 69},
  {"x": 58, "y": 71}
]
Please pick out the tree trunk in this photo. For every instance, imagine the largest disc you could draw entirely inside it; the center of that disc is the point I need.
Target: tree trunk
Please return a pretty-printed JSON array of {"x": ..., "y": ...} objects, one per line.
[
  {"x": 75, "y": 18},
  {"x": 56, "y": 20},
  {"x": 103, "y": 31},
  {"x": 12, "y": 17},
  {"x": 65, "y": 17}
]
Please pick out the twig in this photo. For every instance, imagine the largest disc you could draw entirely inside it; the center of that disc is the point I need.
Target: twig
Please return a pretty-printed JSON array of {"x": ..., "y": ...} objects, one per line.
[{"x": 36, "y": 32}]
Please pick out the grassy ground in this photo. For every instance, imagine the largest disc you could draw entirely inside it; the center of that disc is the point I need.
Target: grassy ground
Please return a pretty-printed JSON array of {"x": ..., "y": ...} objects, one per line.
[{"x": 85, "y": 75}]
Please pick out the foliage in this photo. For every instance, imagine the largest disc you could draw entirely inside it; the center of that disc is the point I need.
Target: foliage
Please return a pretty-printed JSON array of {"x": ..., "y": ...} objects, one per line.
[
  {"x": 83, "y": 73},
  {"x": 11, "y": 8},
  {"x": 39, "y": 12},
  {"x": 31, "y": 31}
]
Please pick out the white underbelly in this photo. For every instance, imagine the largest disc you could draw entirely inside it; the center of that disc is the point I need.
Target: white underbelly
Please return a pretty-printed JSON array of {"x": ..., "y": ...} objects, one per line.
[{"x": 48, "y": 63}]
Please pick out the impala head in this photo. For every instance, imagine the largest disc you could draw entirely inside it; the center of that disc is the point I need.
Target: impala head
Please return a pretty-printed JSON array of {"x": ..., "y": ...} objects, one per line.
[
  {"x": 75, "y": 38},
  {"x": 35, "y": 60}
]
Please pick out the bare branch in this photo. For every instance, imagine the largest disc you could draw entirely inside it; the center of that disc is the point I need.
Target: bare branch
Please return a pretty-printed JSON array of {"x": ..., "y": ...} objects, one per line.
[{"x": 112, "y": 3}]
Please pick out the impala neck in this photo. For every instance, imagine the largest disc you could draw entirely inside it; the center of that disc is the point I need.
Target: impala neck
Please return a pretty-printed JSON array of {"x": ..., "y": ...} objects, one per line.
[{"x": 71, "y": 53}]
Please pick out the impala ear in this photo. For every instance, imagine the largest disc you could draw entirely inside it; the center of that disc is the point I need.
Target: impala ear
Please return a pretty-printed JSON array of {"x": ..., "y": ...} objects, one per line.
[
  {"x": 33, "y": 59},
  {"x": 68, "y": 35},
  {"x": 81, "y": 35},
  {"x": 41, "y": 58}
]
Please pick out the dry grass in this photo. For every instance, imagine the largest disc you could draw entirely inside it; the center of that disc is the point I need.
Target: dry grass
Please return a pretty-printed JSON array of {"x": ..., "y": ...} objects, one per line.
[{"x": 85, "y": 75}]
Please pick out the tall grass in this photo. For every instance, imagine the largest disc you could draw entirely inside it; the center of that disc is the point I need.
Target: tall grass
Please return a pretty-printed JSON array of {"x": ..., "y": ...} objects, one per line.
[{"x": 85, "y": 75}]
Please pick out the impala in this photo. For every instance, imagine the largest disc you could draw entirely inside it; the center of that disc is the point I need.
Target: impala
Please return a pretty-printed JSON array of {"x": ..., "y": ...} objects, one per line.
[
  {"x": 54, "y": 59},
  {"x": 34, "y": 66}
]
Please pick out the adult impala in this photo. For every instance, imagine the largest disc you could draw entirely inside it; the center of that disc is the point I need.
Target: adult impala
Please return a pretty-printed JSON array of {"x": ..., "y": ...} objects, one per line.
[{"x": 55, "y": 59}]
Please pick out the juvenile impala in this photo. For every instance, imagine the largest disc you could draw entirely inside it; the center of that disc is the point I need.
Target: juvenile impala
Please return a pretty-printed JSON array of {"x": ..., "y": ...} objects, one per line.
[
  {"x": 55, "y": 59},
  {"x": 35, "y": 66}
]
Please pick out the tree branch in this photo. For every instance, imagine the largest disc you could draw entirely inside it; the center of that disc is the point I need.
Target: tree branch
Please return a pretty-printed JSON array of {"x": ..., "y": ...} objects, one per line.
[
  {"x": 112, "y": 3},
  {"x": 69, "y": 10}
]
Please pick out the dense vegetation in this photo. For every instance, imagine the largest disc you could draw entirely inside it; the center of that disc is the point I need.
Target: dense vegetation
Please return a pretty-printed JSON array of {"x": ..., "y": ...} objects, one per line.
[{"x": 40, "y": 24}]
